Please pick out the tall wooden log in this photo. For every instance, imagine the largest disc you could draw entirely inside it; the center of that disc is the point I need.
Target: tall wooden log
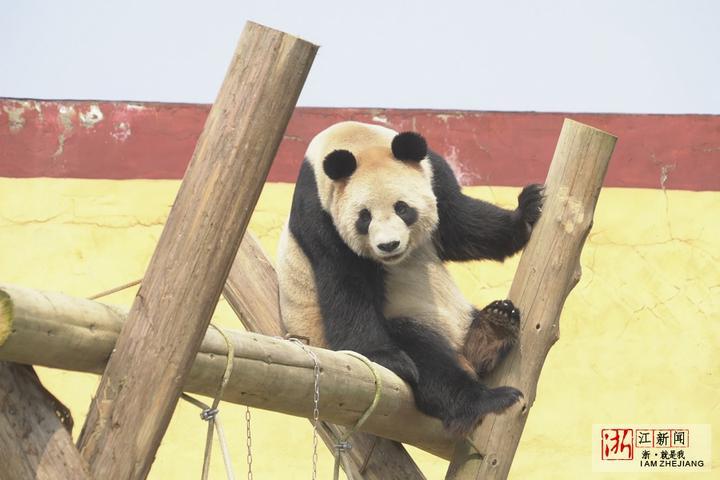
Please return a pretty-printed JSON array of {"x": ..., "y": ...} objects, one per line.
[
  {"x": 58, "y": 331},
  {"x": 251, "y": 290},
  {"x": 548, "y": 270},
  {"x": 181, "y": 287},
  {"x": 34, "y": 442}
]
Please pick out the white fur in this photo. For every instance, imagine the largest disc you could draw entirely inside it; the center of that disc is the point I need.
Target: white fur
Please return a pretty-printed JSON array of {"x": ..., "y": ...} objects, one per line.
[
  {"x": 298, "y": 295},
  {"x": 350, "y": 136},
  {"x": 417, "y": 284},
  {"x": 421, "y": 288}
]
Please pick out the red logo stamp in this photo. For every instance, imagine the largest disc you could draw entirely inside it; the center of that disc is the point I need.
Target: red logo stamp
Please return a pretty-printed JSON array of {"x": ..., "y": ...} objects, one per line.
[
  {"x": 651, "y": 447},
  {"x": 617, "y": 444}
]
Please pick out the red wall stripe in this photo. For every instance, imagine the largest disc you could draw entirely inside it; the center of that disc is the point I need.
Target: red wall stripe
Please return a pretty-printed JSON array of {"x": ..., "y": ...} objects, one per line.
[{"x": 122, "y": 140}]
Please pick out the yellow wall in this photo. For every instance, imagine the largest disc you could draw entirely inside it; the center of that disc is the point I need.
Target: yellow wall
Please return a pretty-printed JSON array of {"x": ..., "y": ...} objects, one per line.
[{"x": 639, "y": 334}]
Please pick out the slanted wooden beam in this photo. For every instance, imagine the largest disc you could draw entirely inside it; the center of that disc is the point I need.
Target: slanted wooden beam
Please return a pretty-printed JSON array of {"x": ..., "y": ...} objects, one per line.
[
  {"x": 171, "y": 312},
  {"x": 251, "y": 290},
  {"x": 34, "y": 442},
  {"x": 58, "y": 331},
  {"x": 548, "y": 270}
]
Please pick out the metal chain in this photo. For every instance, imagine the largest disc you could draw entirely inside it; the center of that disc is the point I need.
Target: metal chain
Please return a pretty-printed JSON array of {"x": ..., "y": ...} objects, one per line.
[
  {"x": 316, "y": 402},
  {"x": 316, "y": 411},
  {"x": 249, "y": 443}
]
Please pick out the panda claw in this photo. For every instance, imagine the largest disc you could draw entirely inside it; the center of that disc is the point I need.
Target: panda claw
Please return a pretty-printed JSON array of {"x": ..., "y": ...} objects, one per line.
[
  {"x": 505, "y": 309},
  {"x": 530, "y": 202}
]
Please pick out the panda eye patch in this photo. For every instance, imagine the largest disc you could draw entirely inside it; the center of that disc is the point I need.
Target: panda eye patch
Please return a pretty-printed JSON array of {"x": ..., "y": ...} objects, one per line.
[
  {"x": 408, "y": 214},
  {"x": 362, "y": 224}
]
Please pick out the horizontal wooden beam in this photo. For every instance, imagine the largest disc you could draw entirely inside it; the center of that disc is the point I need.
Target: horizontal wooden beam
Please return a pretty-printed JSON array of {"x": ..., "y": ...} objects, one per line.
[{"x": 58, "y": 331}]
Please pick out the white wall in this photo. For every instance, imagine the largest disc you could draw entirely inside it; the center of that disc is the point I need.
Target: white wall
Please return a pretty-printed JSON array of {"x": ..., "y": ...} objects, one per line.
[{"x": 564, "y": 55}]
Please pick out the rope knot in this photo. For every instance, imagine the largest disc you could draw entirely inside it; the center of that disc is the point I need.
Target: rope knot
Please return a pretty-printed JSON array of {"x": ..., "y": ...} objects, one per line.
[
  {"x": 343, "y": 446},
  {"x": 209, "y": 414}
]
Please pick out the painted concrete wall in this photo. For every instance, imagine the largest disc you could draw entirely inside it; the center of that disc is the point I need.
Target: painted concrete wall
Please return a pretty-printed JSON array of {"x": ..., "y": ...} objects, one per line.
[
  {"x": 639, "y": 334},
  {"x": 120, "y": 140}
]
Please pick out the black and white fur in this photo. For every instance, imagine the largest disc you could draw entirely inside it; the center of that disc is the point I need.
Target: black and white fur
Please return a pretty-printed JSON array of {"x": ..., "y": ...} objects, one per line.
[{"x": 374, "y": 216}]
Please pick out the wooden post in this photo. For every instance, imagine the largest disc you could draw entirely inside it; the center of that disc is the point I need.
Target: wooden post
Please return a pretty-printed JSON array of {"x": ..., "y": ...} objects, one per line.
[
  {"x": 251, "y": 290},
  {"x": 145, "y": 375},
  {"x": 57, "y": 331},
  {"x": 548, "y": 270},
  {"x": 34, "y": 442}
]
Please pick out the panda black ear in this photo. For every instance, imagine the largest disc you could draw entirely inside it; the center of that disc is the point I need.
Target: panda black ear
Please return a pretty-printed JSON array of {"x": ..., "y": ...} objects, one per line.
[
  {"x": 409, "y": 146},
  {"x": 339, "y": 164}
]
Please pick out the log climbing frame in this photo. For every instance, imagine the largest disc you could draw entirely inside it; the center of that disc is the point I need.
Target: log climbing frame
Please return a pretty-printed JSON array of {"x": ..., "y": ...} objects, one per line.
[{"x": 149, "y": 355}]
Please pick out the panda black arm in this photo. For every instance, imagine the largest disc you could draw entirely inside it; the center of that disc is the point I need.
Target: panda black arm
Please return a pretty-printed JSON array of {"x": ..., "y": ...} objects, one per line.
[{"x": 471, "y": 229}]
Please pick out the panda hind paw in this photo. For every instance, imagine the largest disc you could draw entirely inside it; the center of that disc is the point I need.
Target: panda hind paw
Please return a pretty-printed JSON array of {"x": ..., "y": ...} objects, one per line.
[
  {"x": 503, "y": 312},
  {"x": 468, "y": 415}
]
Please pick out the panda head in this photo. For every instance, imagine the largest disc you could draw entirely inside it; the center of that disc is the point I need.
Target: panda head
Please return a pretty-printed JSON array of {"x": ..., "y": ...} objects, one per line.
[{"x": 379, "y": 195}]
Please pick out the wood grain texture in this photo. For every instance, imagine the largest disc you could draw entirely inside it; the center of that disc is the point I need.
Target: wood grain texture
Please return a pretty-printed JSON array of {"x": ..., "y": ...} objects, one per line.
[
  {"x": 34, "y": 442},
  {"x": 251, "y": 290},
  {"x": 58, "y": 331},
  {"x": 549, "y": 268},
  {"x": 184, "y": 280}
]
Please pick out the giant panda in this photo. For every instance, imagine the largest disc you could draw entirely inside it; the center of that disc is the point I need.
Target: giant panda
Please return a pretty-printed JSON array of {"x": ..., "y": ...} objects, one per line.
[{"x": 374, "y": 216}]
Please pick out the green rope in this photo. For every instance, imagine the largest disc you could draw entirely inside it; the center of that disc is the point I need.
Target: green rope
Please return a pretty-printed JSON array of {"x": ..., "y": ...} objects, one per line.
[
  {"x": 342, "y": 444},
  {"x": 209, "y": 413}
]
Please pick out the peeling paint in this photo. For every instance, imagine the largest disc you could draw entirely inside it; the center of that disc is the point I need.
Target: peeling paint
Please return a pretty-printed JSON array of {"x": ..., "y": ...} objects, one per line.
[
  {"x": 664, "y": 170},
  {"x": 121, "y": 132},
  {"x": 16, "y": 121},
  {"x": 60, "y": 147},
  {"x": 65, "y": 118},
  {"x": 443, "y": 117},
  {"x": 93, "y": 116},
  {"x": 380, "y": 119},
  {"x": 452, "y": 158},
  {"x": 38, "y": 108}
]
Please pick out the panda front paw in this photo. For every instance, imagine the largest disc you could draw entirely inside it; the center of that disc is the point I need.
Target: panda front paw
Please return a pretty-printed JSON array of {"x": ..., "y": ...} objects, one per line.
[{"x": 530, "y": 203}]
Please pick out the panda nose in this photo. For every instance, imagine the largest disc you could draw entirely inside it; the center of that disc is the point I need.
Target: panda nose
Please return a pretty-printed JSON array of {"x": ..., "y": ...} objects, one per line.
[{"x": 389, "y": 246}]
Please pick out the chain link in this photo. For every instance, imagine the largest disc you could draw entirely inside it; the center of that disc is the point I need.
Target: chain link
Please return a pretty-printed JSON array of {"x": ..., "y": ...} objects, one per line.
[
  {"x": 316, "y": 411},
  {"x": 316, "y": 402},
  {"x": 249, "y": 443}
]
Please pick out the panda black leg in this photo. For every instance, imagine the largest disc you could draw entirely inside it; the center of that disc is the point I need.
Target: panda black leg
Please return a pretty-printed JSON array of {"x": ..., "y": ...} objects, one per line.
[
  {"x": 493, "y": 332},
  {"x": 445, "y": 389},
  {"x": 397, "y": 361}
]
